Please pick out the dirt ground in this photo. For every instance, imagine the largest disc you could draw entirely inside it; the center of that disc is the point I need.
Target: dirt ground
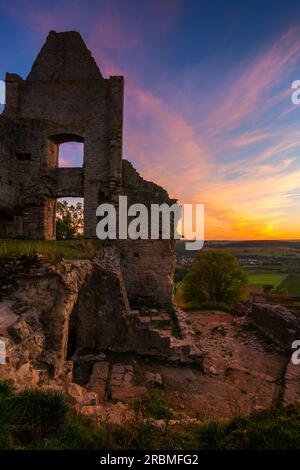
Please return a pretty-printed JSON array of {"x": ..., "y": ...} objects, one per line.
[{"x": 241, "y": 372}]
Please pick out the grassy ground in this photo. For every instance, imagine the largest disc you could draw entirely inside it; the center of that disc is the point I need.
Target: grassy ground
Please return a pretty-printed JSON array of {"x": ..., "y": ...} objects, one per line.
[
  {"x": 262, "y": 279},
  {"x": 52, "y": 250},
  {"x": 291, "y": 283},
  {"x": 43, "y": 420}
]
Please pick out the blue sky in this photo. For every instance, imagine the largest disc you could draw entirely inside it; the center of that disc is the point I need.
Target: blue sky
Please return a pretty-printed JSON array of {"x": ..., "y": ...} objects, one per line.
[{"x": 208, "y": 111}]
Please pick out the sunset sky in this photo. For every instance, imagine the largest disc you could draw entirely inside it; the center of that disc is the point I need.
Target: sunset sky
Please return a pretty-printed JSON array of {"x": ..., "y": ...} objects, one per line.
[{"x": 208, "y": 111}]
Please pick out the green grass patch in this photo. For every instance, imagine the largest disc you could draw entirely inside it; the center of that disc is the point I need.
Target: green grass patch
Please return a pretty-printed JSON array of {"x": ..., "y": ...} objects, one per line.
[
  {"x": 51, "y": 250},
  {"x": 291, "y": 283},
  {"x": 42, "y": 420},
  {"x": 275, "y": 429},
  {"x": 263, "y": 279},
  {"x": 156, "y": 405}
]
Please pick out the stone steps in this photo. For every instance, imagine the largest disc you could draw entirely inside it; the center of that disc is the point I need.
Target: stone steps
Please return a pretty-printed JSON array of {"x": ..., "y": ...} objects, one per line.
[
  {"x": 114, "y": 382},
  {"x": 175, "y": 350}
]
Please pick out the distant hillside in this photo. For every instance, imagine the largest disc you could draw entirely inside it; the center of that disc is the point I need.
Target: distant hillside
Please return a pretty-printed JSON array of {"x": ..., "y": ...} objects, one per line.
[{"x": 280, "y": 247}]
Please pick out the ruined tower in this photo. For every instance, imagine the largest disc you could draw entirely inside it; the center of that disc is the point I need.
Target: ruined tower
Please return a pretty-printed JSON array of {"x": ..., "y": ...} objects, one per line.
[{"x": 65, "y": 99}]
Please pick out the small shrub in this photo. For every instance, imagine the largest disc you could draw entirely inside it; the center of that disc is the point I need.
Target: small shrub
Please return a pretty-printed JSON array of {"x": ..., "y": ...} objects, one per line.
[
  {"x": 6, "y": 389},
  {"x": 214, "y": 276},
  {"x": 78, "y": 433},
  {"x": 282, "y": 291},
  {"x": 213, "y": 435},
  {"x": 156, "y": 405}
]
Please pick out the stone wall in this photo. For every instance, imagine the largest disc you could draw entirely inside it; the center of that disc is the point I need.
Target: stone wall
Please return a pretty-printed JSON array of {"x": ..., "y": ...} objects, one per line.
[
  {"x": 148, "y": 265},
  {"x": 277, "y": 322},
  {"x": 8, "y": 190},
  {"x": 54, "y": 313}
]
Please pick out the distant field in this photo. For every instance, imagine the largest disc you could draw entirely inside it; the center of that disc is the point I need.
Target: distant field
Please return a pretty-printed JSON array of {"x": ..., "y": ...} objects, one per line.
[
  {"x": 266, "y": 248},
  {"x": 267, "y": 267},
  {"x": 269, "y": 278},
  {"x": 291, "y": 283}
]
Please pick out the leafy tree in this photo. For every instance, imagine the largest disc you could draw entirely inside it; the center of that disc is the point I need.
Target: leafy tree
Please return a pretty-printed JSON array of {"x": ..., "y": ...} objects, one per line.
[
  {"x": 69, "y": 221},
  {"x": 214, "y": 276}
]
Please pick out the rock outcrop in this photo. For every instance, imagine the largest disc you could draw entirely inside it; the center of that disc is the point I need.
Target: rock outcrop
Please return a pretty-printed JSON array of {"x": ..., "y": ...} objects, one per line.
[{"x": 58, "y": 319}]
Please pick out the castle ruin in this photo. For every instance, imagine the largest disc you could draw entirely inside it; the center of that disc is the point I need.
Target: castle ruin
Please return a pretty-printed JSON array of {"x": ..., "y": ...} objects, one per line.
[{"x": 66, "y": 99}]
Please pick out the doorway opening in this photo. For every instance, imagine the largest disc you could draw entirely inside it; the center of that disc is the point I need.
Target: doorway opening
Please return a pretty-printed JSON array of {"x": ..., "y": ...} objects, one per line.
[{"x": 69, "y": 218}]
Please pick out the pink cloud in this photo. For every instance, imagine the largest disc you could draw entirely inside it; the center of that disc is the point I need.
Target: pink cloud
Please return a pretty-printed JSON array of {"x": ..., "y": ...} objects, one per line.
[
  {"x": 251, "y": 138},
  {"x": 164, "y": 146},
  {"x": 113, "y": 29}
]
